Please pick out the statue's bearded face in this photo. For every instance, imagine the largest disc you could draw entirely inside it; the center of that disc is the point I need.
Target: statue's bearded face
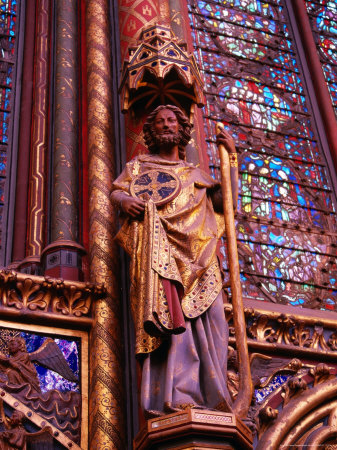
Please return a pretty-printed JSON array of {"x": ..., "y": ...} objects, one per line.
[{"x": 166, "y": 129}]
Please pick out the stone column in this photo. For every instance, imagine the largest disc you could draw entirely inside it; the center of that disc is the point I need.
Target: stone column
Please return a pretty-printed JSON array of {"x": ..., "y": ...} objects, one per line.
[
  {"x": 62, "y": 258},
  {"x": 21, "y": 195},
  {"x": 39, "y": 143}
]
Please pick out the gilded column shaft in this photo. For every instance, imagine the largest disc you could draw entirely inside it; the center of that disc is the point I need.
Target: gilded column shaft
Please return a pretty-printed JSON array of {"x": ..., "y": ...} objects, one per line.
[
  {"x": 106, "y": 402},
  {"x": 65, "y": 161},
  {"x": 37, "y": 188}
]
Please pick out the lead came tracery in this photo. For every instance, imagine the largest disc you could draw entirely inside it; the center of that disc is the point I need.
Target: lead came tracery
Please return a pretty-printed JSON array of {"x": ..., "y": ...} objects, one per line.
[{"x": 254, "y": 84}]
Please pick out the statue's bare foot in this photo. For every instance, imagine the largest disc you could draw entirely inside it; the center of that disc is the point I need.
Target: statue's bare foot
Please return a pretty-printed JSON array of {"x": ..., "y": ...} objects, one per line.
[{"x": 152, "y": 414}]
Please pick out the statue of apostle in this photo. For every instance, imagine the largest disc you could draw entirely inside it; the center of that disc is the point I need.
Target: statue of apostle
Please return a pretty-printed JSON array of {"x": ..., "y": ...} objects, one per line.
[{"x": 172, "y": 222}]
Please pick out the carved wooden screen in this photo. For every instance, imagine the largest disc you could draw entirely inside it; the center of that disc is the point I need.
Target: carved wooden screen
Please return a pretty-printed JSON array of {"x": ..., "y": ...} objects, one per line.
[
  {"x": 254, "y": 84},
  {"x": 8, "y": 50},
  {"x": 323, "y": 18}
]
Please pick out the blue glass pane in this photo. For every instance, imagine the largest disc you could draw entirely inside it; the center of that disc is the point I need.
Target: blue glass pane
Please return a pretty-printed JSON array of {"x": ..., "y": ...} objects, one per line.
[
  {"x": 5, "y": 98},
  {"x": 49, "y": 379},
  {"x": 275, "y": 383},
  {"x": 3, "y": 163}
]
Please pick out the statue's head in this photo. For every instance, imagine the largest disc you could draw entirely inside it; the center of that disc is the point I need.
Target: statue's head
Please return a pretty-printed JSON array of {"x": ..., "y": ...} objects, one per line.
[
  {"x": 182, "y": 138},
  {"x": 17, "y": 418},
  {"x": 16, "y": 344}
]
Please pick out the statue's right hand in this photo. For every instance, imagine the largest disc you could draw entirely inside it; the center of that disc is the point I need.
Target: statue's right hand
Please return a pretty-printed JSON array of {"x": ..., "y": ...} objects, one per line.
[{"x": 132, "y": 206}]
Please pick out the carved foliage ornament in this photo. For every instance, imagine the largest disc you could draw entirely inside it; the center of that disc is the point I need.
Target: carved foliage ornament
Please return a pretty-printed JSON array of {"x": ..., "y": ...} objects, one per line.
[
  {"x": 32, "y": 293},
  {"x": 301, "y": 334}
]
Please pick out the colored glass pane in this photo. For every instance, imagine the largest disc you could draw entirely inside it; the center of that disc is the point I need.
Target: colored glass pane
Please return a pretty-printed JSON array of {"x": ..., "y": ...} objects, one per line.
[
  {"x": 7, "y": 28},
  {"x": 223, "y": 65},
  {"x": 3, "y": 163},
  {"x": 5, "y": 98},
  {"x": 284, "y": 170},
  {"x": 6, "y": 74},
  {"x": 2, "y": 189},
  {"x": 275, "y": 383},
  {"x": 49, "y": 379},
  {"x": 248, "y": 59}
]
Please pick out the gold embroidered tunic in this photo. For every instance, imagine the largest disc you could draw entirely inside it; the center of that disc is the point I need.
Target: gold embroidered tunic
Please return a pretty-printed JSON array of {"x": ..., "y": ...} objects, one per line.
[{"x": 176, "y": 241}]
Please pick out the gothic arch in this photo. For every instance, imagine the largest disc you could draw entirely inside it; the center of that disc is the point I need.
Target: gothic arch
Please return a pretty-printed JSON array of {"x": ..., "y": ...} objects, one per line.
[{"x": 308, "y": 419}]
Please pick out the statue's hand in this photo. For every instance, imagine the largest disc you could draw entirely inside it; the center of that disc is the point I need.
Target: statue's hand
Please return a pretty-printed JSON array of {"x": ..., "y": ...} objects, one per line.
[
  {"x": 225, "y": 139},
  {"x": 132, "y": 206}
]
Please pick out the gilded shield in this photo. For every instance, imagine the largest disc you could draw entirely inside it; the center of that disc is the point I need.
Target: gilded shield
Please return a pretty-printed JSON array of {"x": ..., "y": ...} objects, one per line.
[{"x": 160, "y": 186}]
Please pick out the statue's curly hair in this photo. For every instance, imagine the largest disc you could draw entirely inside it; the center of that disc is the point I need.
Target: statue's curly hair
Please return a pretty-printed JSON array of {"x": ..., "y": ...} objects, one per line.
[{"x": 184, "y": 129}]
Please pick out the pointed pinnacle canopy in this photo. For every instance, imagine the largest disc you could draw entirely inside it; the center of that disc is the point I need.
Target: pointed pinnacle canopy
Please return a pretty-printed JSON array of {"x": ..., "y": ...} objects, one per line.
[{"x": 160, "y": 71}]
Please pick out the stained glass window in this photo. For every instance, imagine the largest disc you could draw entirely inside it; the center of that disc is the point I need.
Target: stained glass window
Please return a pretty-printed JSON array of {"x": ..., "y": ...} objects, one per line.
[
  {"x": 8, "y": 29},
  {"x": 286, "y": 222},
  {"x": 323, "y": 18}
]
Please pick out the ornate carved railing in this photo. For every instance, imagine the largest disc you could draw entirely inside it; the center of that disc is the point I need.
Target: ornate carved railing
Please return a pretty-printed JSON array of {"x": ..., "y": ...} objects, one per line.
[{"x": 296, "y": 332}]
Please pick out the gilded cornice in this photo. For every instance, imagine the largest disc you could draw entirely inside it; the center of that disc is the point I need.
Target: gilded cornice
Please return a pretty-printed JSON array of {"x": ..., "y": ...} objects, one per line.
[
  {"x": 37, "y": 297},
  {"x": 296, "y": 332}
]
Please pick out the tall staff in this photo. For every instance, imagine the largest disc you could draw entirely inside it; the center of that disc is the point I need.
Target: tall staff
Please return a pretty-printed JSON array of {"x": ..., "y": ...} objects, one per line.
[{"x": 243, "y": 399}]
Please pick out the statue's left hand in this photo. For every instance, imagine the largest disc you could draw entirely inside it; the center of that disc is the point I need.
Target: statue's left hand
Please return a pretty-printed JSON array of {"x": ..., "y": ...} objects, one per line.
[{"x": 225, "y": 139}]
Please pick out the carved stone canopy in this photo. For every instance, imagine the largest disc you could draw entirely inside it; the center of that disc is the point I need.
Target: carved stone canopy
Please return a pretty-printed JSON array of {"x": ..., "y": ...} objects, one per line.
[{"x": 160, "y": 71}]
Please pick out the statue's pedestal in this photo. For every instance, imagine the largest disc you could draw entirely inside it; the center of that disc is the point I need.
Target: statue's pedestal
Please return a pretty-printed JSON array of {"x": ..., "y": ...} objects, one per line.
[{"x": 194, "y": 429}]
